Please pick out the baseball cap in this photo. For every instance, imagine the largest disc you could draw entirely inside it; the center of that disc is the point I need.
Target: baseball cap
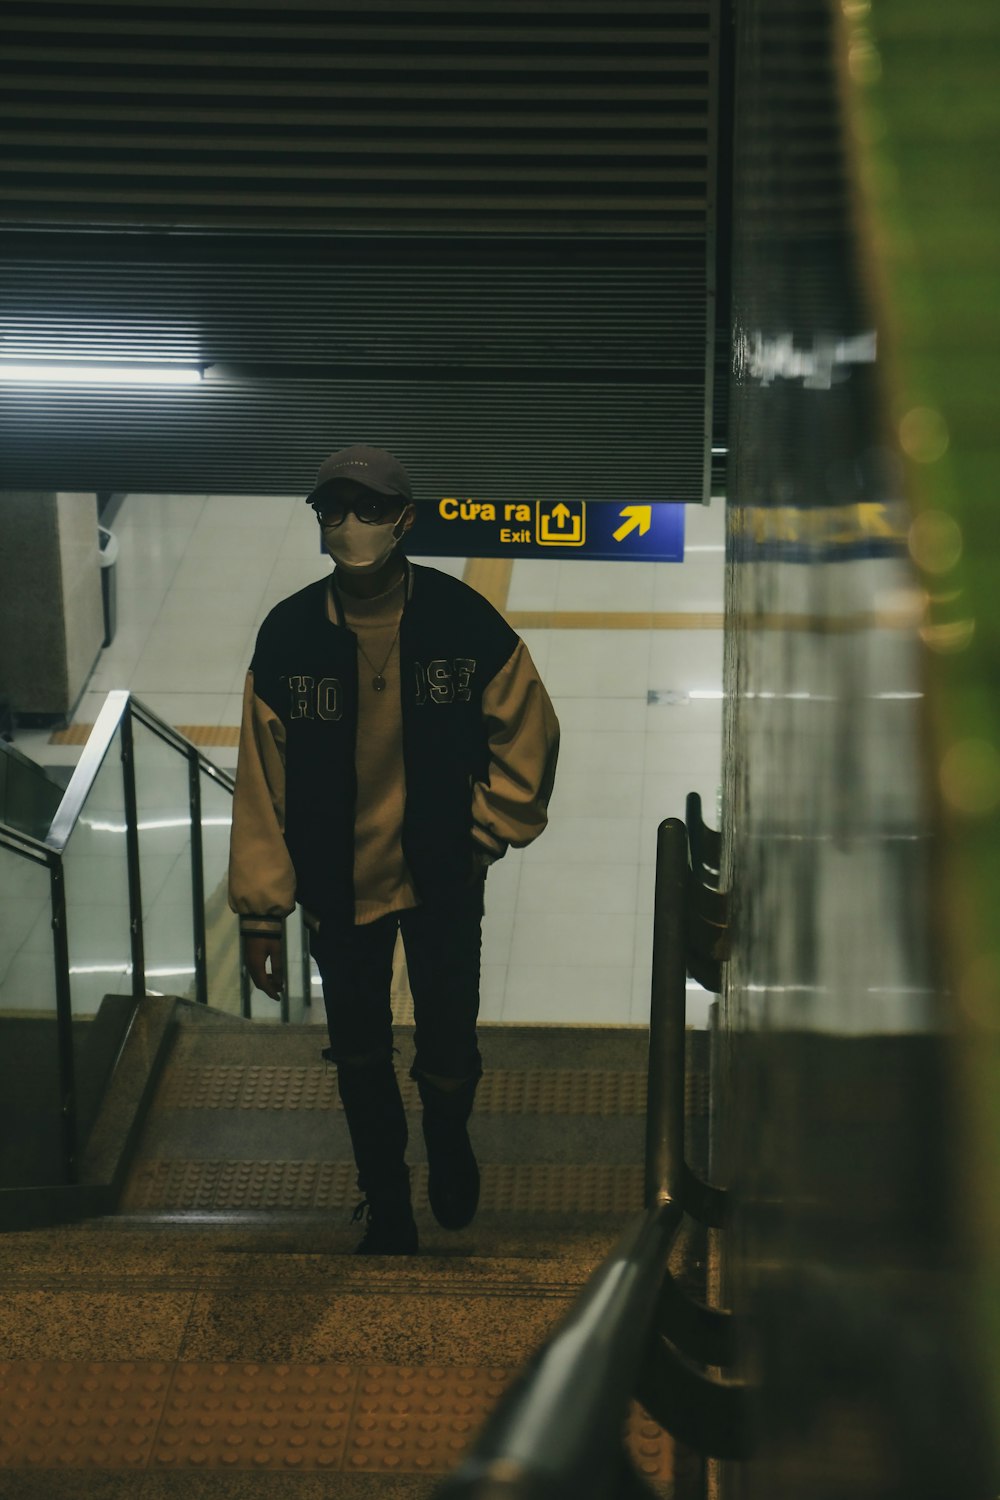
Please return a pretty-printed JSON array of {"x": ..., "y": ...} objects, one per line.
[{"x": 372, "y": 467}]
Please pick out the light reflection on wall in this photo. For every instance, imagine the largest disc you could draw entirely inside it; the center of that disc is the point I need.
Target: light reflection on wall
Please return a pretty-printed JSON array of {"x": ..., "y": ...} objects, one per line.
[{"x": 835, "y": 1124}]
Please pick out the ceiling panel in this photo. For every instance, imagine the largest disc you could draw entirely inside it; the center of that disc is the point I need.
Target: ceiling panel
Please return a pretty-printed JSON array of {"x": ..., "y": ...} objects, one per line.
[{"x": 479, "y": 234}]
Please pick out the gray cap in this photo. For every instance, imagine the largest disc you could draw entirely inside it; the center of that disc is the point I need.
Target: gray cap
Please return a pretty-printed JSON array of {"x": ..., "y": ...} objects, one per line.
[{"x": 372, "y": 467}]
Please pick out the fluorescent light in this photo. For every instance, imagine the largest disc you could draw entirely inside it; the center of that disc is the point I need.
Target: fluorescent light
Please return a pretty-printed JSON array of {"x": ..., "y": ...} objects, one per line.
[
  {"x": 101, "y": 374},
  {"x": 706, "y": 693}
]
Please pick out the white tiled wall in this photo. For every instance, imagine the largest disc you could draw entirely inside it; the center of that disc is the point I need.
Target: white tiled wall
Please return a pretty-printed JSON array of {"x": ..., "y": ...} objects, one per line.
[{"x": 568, "y": 928}]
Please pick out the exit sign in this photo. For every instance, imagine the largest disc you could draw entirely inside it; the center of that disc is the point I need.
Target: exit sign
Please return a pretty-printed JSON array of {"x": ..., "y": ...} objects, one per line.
[{"x": 545, "y": 528}]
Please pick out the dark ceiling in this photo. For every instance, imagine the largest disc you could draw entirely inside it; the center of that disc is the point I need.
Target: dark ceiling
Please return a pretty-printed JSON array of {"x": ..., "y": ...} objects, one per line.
[{"x": 479, "y": 234}]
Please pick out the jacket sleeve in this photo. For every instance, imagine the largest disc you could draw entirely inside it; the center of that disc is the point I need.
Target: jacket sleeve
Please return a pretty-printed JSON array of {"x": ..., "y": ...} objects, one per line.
[
  {"x": 261, "y": 877},
  {"x": 510, "y": 807}
]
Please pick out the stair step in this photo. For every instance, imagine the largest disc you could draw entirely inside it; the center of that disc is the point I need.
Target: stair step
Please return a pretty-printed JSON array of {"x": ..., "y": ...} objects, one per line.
[
  {"x": 521, "y": 1187},
  {"x": 257, "y": 1356},
  {"x": 368, "y": 1431},
  {"x": 217, "y": 1338},
  {"x": 248, "y": 1117}
]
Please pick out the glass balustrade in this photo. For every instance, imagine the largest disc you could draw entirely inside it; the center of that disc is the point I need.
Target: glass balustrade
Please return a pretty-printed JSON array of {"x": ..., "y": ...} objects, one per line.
[
  {"x": 103, "y": 985},
  {"x": 163, "y": 824},
  {"x": 222, "y": 929},
  {"x": 28, "y": 794},
  {"x": 123, "y": 893},
  {"x": 32, "y": 1144}
]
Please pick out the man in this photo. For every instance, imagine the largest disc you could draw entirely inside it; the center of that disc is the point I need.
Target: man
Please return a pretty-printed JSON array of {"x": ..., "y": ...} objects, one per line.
[{"x": 396, "y": 740}]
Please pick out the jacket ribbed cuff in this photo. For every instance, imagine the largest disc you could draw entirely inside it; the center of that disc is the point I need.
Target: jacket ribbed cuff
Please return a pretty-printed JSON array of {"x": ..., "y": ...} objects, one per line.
[
  {"x": 487, "y": 844},
  {"x": 252, "y": 926}
]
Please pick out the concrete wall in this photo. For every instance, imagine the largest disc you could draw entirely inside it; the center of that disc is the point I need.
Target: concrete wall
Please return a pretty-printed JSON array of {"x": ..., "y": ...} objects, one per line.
[{"x": 51, "y": 618}]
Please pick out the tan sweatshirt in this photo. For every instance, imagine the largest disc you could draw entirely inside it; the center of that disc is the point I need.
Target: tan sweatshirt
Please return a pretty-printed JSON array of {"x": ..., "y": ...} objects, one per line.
[{"x": 509, "y": 807}]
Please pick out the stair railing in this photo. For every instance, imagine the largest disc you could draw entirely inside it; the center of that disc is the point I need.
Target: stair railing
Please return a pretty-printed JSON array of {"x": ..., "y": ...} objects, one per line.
[
  {"x": 558, "y": 1430},
  {"x": 131, "y": 875}
]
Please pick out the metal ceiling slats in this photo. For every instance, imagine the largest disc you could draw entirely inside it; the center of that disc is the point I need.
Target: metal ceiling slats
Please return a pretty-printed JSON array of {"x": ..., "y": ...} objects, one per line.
[
  {"x": 488, "y": 318},
  {"x": 557, "y": 425},
  {"x": 473, "y": 230},
  {"x": 324, "y": 88},
  {"x": 494, "y": 437}
]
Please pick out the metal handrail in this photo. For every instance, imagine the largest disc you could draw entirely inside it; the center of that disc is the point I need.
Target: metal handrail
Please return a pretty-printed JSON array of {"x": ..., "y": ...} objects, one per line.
[
  {"x": 116, "y": 707},
  {"x": 558, "y": 1431},
  {"x": 26, "y": 844}
]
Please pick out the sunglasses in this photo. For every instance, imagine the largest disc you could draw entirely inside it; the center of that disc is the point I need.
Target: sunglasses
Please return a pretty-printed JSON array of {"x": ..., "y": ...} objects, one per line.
[{"x": 373, "y": 512}]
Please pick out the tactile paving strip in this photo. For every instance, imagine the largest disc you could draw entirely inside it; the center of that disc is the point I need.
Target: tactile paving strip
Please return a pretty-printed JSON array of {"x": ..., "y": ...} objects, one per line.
[
  {"x": 73, "y": 1414},
  {"x": 559, "y": 1091},
  {"x": 584, "y": 1187},
  {"x": 243, "y": 1416}
]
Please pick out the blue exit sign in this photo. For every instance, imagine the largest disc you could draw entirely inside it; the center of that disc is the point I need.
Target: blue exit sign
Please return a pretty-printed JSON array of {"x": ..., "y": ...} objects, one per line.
[{"x": 544, "y": 528}]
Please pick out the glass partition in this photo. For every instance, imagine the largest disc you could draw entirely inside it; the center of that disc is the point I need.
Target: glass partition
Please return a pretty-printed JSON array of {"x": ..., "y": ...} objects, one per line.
[
  {"x": 31, "y": 1143},
  {"x": 120, "y": 846},
  {"x": 98, "y": 932},
  {"x": 222, "y": 932},
  {"x": 163, "y": 817},
  {"x": 95, "y": 861},
  {"x": 28, "y": 795}
]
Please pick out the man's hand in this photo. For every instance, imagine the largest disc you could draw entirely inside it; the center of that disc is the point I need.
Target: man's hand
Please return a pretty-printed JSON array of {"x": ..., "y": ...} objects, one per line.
[{"x": 265, "y": 964}]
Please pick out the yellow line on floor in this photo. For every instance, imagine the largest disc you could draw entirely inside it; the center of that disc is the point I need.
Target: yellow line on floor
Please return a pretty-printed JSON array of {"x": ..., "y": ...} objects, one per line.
[
  {"x": 589, "y": 619},
  {"x": 198, "y": 734}
]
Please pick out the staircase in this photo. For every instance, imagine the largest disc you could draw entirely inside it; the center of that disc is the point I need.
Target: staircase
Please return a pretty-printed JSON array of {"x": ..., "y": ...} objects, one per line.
[{"x": 216, "y": 1338}]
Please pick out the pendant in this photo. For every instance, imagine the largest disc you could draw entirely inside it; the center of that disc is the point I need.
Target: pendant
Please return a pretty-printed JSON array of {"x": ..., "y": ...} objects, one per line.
[{"x": 378, "y": 683}]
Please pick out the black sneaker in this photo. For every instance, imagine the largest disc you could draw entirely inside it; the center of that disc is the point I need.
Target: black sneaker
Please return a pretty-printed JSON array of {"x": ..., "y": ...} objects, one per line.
[{"x": 386, "y": 1234}]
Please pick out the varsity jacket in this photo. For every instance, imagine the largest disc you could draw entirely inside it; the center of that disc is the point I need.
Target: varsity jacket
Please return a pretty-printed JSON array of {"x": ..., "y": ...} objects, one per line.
[{"x": 480, "y": 741}]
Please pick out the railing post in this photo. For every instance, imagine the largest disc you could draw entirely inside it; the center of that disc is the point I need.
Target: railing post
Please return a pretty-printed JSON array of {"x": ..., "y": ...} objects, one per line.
[
  {"x": 246, "y": 991},
  {"x": 665, "y": 1096},
  {"x": 306, "y": 961},
  {"x": 197, "y": 880},
  {"x": 132, "y": 854},
  {"x": 286, "y": 970},
  {"x": 64, "y": 1019}
]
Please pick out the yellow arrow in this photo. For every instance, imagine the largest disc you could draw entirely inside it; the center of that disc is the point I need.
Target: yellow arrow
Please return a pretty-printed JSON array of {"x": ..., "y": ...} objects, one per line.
[
  {"x": 638, "y": 515},
  {"x": 561, "y": 513}
]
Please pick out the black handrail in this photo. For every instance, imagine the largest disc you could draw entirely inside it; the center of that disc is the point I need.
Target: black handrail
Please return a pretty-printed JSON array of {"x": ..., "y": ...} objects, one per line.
[
  {"x": 558, "y": 1430},
  {"x": 664, "y": 1174},
  {"x": 557, "y": 1433}
]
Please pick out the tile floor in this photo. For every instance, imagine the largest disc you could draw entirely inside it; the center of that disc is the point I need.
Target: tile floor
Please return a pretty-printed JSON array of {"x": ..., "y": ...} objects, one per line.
[{"x": 569, "y": 922}]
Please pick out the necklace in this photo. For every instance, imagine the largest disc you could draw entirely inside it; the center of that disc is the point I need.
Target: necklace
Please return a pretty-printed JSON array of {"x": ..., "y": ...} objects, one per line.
[{"x": 378, "y": 681}]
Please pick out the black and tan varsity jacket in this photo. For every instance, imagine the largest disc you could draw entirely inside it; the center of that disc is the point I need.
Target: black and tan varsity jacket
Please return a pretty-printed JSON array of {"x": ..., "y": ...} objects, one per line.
[{"x": 480, "y": 742}]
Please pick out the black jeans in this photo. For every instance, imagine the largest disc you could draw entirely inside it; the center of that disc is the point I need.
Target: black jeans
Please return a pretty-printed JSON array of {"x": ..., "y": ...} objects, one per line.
[{"x": 442, "y": 939}]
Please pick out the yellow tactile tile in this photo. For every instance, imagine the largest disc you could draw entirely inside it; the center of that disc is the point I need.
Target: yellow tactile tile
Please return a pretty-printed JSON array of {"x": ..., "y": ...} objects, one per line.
[
  {"x": 419, "y": 1419},
  {"x": 76, "y": 1414},
  {"x": 255, "y": 1416},
  {"x": 568, "y": 1187},
  {"x": 236, "y": 1416}
]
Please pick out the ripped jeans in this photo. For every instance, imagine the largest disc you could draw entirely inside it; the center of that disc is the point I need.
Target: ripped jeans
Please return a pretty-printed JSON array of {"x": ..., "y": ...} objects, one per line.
[{"x": 442, "y": 940}]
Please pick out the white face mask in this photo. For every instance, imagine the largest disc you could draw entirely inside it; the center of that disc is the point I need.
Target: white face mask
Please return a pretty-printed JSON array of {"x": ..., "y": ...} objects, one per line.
[{"x": 358, "y": 547}]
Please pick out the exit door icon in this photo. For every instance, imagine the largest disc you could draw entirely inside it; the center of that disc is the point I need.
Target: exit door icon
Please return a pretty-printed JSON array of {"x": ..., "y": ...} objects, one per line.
[{"x": 563, "y": 524}]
